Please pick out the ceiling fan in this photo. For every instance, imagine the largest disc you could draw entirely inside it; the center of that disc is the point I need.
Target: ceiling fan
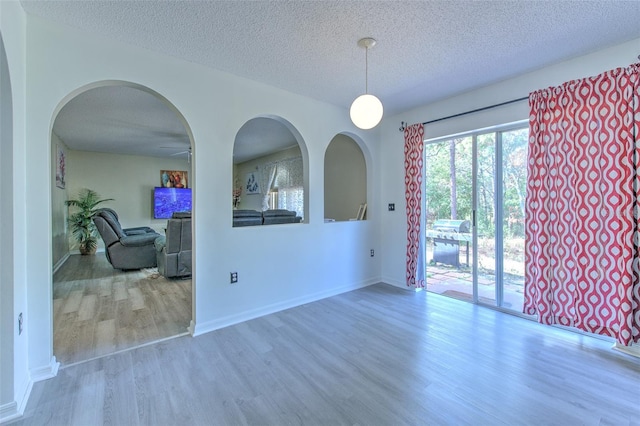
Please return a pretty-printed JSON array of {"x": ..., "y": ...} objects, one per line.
[{"x": 186, "y": 152}]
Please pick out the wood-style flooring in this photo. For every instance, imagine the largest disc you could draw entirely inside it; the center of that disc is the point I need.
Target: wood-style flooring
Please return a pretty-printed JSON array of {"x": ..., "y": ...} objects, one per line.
[
  {"x": 375, "y": 356},
  {"x": 99, "y": 310}
]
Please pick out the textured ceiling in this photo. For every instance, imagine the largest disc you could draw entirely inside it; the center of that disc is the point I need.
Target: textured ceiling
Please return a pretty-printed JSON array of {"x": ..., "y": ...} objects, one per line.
[{"x": 427, "y": 50}]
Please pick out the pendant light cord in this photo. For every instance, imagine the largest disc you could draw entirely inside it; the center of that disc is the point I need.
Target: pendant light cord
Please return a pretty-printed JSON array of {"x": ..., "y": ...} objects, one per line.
[{"x": 366, "y": 70}]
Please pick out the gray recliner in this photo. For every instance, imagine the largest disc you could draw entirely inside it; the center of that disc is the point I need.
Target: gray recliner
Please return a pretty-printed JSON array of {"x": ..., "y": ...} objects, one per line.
[
  {"x": 131, "y": 248},
  {"x": 173, "y": 251},
  {"x": 130, "y": 231}
]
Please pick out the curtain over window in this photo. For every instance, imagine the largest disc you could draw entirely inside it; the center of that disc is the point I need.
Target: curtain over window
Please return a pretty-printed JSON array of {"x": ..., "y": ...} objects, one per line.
[
  {"x": 582, "y": 248},
  {"x": 287, "y": 178},
  {"x": 267, "y": 177},
  {"x": 413, "y": 162}
]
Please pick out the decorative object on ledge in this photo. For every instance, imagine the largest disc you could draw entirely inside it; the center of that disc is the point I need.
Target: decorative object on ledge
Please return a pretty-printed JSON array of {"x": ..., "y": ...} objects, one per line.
[
  {"x": 366, "y": 110},
  {"x": 236, "y": 197},
  {"x": 362, "y": 211}
]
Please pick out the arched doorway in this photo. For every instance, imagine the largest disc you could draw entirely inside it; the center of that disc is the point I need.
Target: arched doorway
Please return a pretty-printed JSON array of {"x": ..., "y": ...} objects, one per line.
[{"x": 117, "y": 139}]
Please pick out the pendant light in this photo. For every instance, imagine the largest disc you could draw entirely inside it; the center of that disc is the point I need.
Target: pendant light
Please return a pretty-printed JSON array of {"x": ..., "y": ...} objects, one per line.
[{"x": 366, "y": 111}]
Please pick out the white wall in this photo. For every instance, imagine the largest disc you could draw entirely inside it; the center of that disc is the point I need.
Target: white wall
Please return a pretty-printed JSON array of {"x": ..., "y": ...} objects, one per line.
[
  {"x": 128, "y": 179},
  {"x": 345, "y": 179},
  {"x": 6, "y": 233},
  {"x": 14, "y": 270},
  {"x": 320, "y": 261},
  {"x": 391, "y": 155}
]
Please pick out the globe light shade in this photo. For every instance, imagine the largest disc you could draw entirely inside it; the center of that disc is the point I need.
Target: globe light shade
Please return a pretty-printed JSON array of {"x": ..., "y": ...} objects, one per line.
[{"x": 366, "y": 111}]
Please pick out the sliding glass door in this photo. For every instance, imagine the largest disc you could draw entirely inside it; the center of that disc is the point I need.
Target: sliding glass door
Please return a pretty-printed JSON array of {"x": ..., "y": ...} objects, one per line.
[
  {"x": 449, "y": 216},
  {"x": 486, "y": 213},
  {"x": 474, "y": 204},
  {"x": 514, "y": 180}
]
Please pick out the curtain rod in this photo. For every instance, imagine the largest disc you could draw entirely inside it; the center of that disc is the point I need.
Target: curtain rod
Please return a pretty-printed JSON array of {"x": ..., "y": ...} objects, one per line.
[{"x": 404, "y": 125}]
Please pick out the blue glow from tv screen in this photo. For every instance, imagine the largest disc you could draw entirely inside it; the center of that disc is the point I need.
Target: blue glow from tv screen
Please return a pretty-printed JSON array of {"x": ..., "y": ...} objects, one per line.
[{"x": 169, "y": 200}]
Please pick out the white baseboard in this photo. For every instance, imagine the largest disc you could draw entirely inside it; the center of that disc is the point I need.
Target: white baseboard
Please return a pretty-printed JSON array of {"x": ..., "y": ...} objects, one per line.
[
  {"x": 15, "y": 409},
  {"x": 61, "y": 262},
  {"x": 201, "y": 328},
  {"x": 9, "y": 412},
  {"x": 45, "y": 372},
  {"x": 633, "y": 350},
  {"x": 394, "y": 282},
  {"x": 77, "y": 251},
  {"x": 22, "y": 403}
]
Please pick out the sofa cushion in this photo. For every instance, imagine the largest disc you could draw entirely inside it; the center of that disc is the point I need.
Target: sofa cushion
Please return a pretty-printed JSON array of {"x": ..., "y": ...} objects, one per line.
[
  {"x": 247, "y": 218},
  {"x": 246, "y": 213},
  {"x": 278, "y": 212}
]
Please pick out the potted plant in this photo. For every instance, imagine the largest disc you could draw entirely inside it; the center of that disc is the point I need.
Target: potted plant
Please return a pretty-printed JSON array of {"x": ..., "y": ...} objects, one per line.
[{"x": 81, "y": 222}]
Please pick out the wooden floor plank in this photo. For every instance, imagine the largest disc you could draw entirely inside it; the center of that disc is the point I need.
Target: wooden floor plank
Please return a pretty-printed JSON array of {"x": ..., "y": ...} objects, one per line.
[
  {"x": 87, "y": 309},
  {"x": 99, "y": 310},
  {"x": 105, "y": 337},
  {"x": 73, "y": 301},
  {"x": 375, "y": 356}
]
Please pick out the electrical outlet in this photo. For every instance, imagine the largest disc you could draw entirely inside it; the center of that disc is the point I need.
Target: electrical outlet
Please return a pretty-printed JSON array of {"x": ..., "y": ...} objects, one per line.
[
  {"x": 234, "y": 277},
  {"x": 372, "y": 252},
  {"x": 392, "y": 207},
  {"x": 20, "y": 324}
]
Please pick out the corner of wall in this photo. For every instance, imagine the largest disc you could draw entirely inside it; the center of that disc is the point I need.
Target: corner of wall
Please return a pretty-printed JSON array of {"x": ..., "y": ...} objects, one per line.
[
  {"x": 633, "y": 350},
  {"x": 45, "y": 372},
  {"x": 15, "y": 409},
  {"x": 9, "y": 412}
]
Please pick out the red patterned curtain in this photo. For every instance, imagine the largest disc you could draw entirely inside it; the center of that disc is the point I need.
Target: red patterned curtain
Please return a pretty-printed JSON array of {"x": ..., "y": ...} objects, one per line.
[
  {"x": 582, "y": 248},
  {"x": 413, "y": 167}
]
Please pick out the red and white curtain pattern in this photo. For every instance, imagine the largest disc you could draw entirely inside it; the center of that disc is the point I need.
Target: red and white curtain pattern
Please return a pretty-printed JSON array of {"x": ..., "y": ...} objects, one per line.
[
  {"x": 413, "y": 167},
  {"x": 582, "y": 248}
]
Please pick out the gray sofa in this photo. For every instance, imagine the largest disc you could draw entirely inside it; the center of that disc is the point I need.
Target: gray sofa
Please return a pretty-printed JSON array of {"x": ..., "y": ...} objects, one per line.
[
  {"x": 173, "y": 251},
  {"x": 267, "y": 217},
  {"x": 131, "y": 248},
  {"x": 274, "y": 217},
  {"x": 247, "y": 218}
]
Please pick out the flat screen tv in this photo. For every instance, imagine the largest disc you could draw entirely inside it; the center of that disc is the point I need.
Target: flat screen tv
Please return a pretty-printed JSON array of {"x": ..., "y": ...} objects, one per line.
[{"x": 169, "y": 200}]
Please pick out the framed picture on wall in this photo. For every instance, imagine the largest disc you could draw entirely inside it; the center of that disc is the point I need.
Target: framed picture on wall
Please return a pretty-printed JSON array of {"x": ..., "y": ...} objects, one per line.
[
  {"x": 60, "y": 167},
  {"x": 174, "y": 179},
  {"x": 251, "y": 183}
]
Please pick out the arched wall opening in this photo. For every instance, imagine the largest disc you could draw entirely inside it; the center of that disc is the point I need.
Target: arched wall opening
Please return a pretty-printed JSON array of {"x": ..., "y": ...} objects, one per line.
[
  {"x": 129, "y": 177},
  {"x": 270, "y": 172},
  {"x": 345, "y": 180}
]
